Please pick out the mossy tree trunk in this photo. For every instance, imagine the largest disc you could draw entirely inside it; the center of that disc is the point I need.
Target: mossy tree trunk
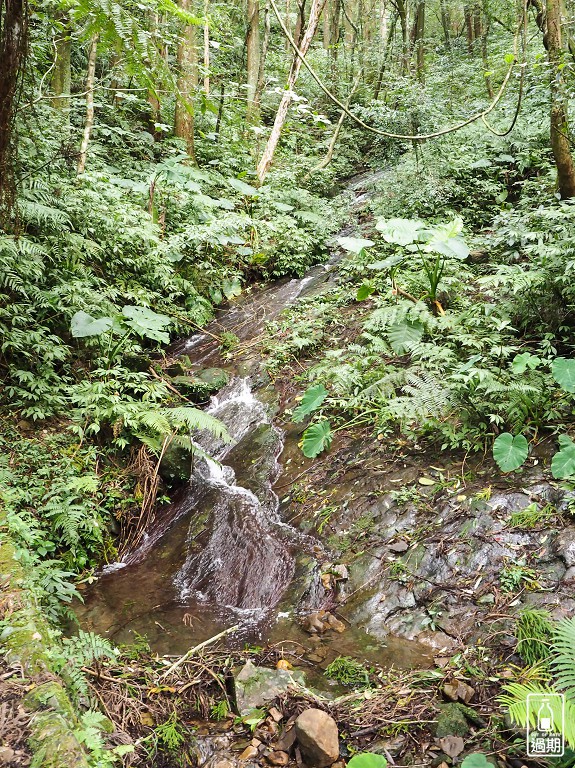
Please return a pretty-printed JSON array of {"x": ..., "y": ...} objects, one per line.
[{"x": 559, "y": 124}]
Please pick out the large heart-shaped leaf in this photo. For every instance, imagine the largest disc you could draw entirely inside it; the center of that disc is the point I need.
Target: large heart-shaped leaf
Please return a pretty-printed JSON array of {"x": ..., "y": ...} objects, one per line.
[
  {"x": 311, "y": 401},
  {"x": 83, "y": 324},
  {"x": 146, "y": 322},
  {"x": 354, "y": 244},
  {"x": 388, "y": 263},
  {"x": 476, "y": 760},
  {"x": 243, "y": 188},
  {"x": 403, "y": 336},
  {"x": 316, "y": 438},
  {"x": 563, "y": 371},
  {"x": 524, "y": 361},
  {"x": 563, "y": 463},
  {"x": 400, "y": 231},
  {"x": 367, "y": 760},
  {"x": 510, "y": 451},
  {"x": 364, "y": 290}
]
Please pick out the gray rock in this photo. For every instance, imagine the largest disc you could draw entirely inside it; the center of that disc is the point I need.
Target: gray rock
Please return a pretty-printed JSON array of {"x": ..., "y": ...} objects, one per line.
[
  {"x": 257, "y": 686},
  {"x": 565, "y": 546},
  {"x": 317, "y": 737}
]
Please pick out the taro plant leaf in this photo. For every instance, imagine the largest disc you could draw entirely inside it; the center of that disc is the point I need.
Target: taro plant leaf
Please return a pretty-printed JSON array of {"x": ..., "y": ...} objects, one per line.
[
  {"x": 316, "y": 438},
  {"x": 83, "y": 324},
  {"x": 243, "y": 188},
  {"x": 524, "y": 361},
  {"x": 403, "y": 336},
  {"x": 454, "y": 248},
  {"x": 231, "y": 288},
  {"x": 563, "y": 371},
  {"x": 354, "y": 244},
  {"x": 391, "y": 261},
  {"x": 563, "y": 463},
  {"x": 311, "y": 401},
  {"x": 476, "y": 760},
  {"x": 364, "y": 290},
  {"x": 400, "y": 231},
  {"x": 510, "y": 451},
  {"x": 367, "y": 760},
  {"x": 146, "y": 322}
]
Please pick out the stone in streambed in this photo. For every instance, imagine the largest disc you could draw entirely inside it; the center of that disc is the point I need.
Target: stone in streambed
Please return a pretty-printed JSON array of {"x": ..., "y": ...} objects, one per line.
[
  {"x": 317, "y": 737},
  {"x": 257, "y": 686}
]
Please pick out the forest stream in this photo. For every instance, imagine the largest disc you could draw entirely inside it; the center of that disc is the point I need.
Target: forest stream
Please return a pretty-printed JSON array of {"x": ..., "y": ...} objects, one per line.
[{"x": 223, "y": 552}]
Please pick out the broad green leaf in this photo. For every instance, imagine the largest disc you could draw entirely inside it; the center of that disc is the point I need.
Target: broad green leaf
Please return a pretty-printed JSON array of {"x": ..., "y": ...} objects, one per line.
[
  {"x": 313, "y": 218},
  {"x": 231, "y": 288},
  {"x": 316, "y": 438},
  {"x": 364, "y": 290},
  {"x": 283, "y": 207},
  {"x": 524, "y": 361},
  {"x": 367, "y": 760},
  {"x": 563, "y": 463},
  {"x": 402, "y": 336},
  {"x": 476, "y": 760},
  {"x": 83, "y": 324},
  {"x": 391, "y": 261},
  {"x": 482, "y": 163},
  {"x": 563, "y": 371},
  {"x": 243, "y": 188},
  {"x": 400, "y": 231},
  {"x": 311, "y": 401},
  {"x": 453, "y": 248},
  {"x": 354, "y": 244},
  {"x": 510, "y": 451},
  {"x": 145, "y": 322}
]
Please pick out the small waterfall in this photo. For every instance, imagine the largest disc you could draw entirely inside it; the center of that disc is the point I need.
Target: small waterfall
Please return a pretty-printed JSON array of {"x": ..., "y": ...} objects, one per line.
[{"x": 245, "y": 563}]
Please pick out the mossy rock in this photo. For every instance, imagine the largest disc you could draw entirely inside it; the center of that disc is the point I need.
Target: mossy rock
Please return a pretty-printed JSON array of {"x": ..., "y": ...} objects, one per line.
[
  {"x": 214, "y": 378},
  {"x": 452, "y": 721}
]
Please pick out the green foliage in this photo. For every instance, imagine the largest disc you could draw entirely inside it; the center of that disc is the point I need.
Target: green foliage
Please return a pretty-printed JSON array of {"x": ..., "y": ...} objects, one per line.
[
  {"x": 368, "y": 760},
  {"x": 510, "y": 451},
  {"x": 533, "y": 516},
  {"x": 312, "y": 399},
  {"x": 316, "y": 439},
  {"x": 348, "y": 671},
  {"x": 534, "y": 633},
  {"x": 475, "y": 760}
]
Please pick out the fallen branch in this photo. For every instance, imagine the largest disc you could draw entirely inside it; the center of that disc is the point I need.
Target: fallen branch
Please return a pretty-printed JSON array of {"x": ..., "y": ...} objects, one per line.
[{"x": 197, "y": 648}]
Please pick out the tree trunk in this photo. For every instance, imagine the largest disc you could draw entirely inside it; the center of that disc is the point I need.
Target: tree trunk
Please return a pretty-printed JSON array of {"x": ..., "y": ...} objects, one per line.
[
  {"x": 13, "y": 37},
  {"x": 445, "y": 24},
  {"x": 62, "y": 76},
  {"x": 300, "y": 22},
  {"x": 187, "y": 84},
  {"x": 485, "y": 58},
  {"x": 89, "y": 123},
  {"x": 560, "y": 143},
  {"x": 417, "y": 37},
  {"x": 273, "y": 140},
  {"x": 468, "y": 15},
  {"x": 263, "y": 57},
  {"x": 206, "y": 49},
  {"x": 253, "y": 58}
]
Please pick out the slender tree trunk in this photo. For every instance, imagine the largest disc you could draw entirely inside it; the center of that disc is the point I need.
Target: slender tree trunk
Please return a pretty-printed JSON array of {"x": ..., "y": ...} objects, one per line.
[
  {"x": 206, "y": 49},
  {"x": 445, "y": 23},
  {"x": 560, "y": 143},
  {"x": 153, "y": 99},
  {"x": 187, "y": 84},
  {"x": 300, "y": 22},
  {"x": 62, "y": 76},
  {"x": 485, "y": 58},
  {"x": 417, "y": 37},
  {"x": 89, "y": 123},
  {"x": 273, "y": 140},
  {"x": 263, "y": 57},
  {"x": 13, "y": 38},
  {"x": 253, "y": 58},
  {"x": 402, "y": 13},
  {"x": 390, "y": 36},
  {"x": 220, "y": 110},
  {"x": 468, "y": 15}
]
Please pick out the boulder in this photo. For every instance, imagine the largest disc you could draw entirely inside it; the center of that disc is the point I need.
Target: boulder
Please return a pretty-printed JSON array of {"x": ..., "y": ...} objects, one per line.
[
  {"x": 257, "y": 686},
  {"x": 317, "y": 736}
]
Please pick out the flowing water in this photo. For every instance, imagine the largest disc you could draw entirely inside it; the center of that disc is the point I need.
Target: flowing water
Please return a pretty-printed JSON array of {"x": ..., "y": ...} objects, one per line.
[{"x": 220, "y": 553}]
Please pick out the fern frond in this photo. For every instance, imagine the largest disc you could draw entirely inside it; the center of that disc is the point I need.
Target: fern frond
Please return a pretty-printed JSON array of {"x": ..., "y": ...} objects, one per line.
[{"x": 563, "y": 659}]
